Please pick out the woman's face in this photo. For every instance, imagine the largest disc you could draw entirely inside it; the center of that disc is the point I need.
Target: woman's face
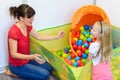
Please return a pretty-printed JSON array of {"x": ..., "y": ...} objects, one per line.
[{"x": 28, "y": 21}]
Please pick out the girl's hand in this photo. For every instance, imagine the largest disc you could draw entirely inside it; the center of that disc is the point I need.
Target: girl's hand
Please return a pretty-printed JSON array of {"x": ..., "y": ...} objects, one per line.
[
  {"x": 36, "y": 58},
  {"x": 60, "y": 34}
]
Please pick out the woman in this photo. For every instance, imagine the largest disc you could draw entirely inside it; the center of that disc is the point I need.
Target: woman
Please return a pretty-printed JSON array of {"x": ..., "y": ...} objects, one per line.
[{"x": 21, "y": 62}]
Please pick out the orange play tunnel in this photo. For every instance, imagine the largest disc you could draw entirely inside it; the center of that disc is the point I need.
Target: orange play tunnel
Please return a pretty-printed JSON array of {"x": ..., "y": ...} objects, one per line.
[{"x": 86, "y": 15}]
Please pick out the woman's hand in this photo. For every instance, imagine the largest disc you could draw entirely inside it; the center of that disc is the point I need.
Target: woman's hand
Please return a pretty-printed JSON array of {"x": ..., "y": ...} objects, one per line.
[
  {"x": 60, "y": 34},
  {"x": 36, "y": 58}
]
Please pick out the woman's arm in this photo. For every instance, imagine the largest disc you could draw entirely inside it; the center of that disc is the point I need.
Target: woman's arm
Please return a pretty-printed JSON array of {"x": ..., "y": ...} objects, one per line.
[
  {"x": 13, "y": 51},
  {"x": 38, "y": 36},
  {"x": 14, "y": 54}
]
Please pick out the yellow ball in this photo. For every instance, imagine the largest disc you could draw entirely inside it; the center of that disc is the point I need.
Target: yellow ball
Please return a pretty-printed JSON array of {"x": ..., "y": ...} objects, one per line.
[
  {"x": 81, "y": 28},
  {"x": 75, "y": 38},
  {"x": 64, "y": 55}
]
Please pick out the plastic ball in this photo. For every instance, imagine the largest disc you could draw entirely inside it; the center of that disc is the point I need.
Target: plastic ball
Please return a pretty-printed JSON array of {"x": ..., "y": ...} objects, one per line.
[
  {"x": 77, "y": 58},
  {"x": 79, "y": 54},
  {"x": 73, "y": 41},
  {"x": 87, "y": 51},
  {"x": 73, "y": 55},
  {"x": 86, "y": 45},
  {"x": 89, "y": 39},
  {"x": 79, "y": 48},
  {"x": 81, "y": 37},
  {"x": 64, "y": 55},
  {"x": 87, "y": 35},
  {"x": 75, "y": 38},
  {"x": 84, "y": 56},
  {"x": 68, "y": 61},
  {"x": 81, "y": 28},
  {"x": 66, "y": 50},
  {"x": 79, "y": 43},
  {"x": 59, "y": 53},
  {"x": 86, "y": 27},
  {"x": 77, "y": 35},
  {"x": 84, "y": 61},
  {"x": 74, "y": 46},
  {"x": 83, "y": 49},
  {"x": 69, "y": 57},
  {"x": 75, "y": 64}
]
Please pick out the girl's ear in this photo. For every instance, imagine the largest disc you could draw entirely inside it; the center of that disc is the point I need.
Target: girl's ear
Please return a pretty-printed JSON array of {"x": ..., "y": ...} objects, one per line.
[{"x": 21, "y": 18}]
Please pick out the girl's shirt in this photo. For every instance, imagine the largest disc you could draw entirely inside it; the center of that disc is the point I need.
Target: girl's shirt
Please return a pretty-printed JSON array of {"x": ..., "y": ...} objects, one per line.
[
  {"x": 93, "y": 49},
  {"x": 23, "y": 44}
]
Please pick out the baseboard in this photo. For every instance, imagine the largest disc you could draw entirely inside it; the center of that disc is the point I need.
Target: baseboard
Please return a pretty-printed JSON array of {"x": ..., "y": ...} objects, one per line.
[{"x": 2, "y": 69}]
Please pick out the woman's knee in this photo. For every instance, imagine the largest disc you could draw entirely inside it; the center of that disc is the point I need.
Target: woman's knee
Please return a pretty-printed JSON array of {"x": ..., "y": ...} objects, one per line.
[
  {"x": 49, "y": 67},
  {"x": 44, "y": 75}
]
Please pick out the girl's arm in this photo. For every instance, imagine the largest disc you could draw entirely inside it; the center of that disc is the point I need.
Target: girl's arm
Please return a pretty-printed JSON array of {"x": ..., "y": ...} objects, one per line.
[
  {"x": 89, "y": 56},
  {"x": 38, "y": 36}
]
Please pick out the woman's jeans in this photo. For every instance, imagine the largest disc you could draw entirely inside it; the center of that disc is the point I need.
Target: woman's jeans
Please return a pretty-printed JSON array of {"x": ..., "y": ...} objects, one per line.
[{"x": 32, "y": 70}]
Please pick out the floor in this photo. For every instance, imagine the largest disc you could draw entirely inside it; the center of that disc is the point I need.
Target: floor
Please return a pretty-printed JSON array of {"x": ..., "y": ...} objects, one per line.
[{"x": 3, "y": 76}]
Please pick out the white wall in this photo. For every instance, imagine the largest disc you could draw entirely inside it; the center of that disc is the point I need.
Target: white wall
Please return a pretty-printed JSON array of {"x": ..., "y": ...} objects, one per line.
[
  {"x": 111, "y": 7},
  {"x": 49, "y": 13},
  {"x": 5, "y": 22},
  {"x": 55, "y": 12}
]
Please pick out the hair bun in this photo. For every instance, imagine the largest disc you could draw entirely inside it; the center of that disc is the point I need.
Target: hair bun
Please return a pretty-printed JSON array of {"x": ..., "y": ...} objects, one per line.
[{"x": 13, "y": 11}]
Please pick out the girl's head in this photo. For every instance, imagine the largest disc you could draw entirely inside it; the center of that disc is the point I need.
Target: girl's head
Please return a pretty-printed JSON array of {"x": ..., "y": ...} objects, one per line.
[
  {"x": 24, "y": 13},
  {"x": 102, "y": 31}
]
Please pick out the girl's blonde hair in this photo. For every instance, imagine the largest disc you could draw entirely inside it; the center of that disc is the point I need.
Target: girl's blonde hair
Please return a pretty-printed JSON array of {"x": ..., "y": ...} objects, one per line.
[{"x": 106, "y": 41}]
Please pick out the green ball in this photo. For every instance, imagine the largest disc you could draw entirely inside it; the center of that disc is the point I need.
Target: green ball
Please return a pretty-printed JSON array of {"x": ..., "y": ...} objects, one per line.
[
  {"x": 59, "y": 53},
  {"x": 84, "y": 61},
  {"x": 87, "y": 51}
]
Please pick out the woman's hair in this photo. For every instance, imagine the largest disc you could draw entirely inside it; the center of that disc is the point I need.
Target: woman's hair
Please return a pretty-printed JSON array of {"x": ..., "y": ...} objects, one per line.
[
  {"x": 23, "y": 10},
  {"x": 106, "y": 41}
]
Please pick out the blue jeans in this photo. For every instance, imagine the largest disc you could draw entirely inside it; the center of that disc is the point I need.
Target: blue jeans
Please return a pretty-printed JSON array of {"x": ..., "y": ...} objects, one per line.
[{"x": 32, "y": 70}]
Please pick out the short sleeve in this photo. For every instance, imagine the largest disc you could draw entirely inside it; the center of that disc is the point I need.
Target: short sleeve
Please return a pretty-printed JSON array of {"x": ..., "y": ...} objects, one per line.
[
  {"x": 93, "y": 49},
  {"x": 13, "y": 33}
]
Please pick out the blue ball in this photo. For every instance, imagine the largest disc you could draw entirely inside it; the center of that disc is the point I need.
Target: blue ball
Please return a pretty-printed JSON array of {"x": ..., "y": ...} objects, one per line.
[
  {"x": 69, "y": 57},
  {"x": 79, "y": 43},
  {"x": 77, "y": 58},
  {"x": 86, "y": 45},
  {"x": 89, "y": 39},
  {"x": 84, "y": 56},
  {"x": 85, "y": 32},
  {"x": 75, "y": 64},
  {"x": 86, "y": 27}
]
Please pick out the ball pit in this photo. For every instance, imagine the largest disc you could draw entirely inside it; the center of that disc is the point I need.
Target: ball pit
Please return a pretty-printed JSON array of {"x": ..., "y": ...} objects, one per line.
[{"x": 50, "y": 49}]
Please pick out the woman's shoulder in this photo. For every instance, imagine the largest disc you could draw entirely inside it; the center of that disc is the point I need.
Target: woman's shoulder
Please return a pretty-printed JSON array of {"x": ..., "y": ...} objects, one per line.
[{"x": 13, "y": 28}]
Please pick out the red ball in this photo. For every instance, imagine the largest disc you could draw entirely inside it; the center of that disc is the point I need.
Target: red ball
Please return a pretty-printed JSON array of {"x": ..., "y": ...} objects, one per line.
[
  {"x": 79, "y": 48},
  {"x": 80, "y": 63},
  {"x": 73, "y": 56},
  {"x": 77, "y": 35},
  {"x": 79, "y": 54},
  {"x": 77, "y": 32},
  {"x": 68, "y": 61},
  {"x": 73, "y": 42},
  {"x": 74, "y": 46},
  {"x": 83, "y": 50}
]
